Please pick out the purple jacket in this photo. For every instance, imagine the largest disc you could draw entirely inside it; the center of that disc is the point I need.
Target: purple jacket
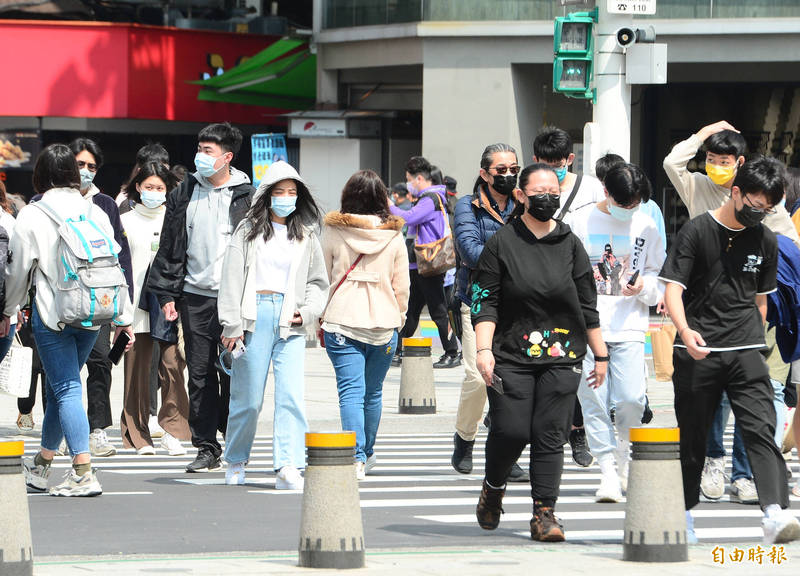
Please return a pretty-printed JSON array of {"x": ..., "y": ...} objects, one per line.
[{"x": 425, "y": 220}]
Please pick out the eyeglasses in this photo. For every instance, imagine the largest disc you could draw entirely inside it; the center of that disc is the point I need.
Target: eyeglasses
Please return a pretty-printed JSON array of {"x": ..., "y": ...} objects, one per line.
[
  {"x": 150, "y": 188},
  {"x": 501, "y": 169},
  {"x": 757, "y": 209},
  {"x": 89, "y": 165},
  {"x": 540, "y": 191}
]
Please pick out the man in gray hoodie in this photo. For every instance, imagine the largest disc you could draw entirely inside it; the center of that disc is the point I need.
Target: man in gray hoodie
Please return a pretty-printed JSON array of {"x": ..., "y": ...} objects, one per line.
[{"x": 185, "y": 275}]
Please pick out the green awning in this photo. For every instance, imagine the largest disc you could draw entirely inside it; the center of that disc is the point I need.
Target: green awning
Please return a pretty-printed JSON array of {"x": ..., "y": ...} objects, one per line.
[{"x": 284, "y": 75}]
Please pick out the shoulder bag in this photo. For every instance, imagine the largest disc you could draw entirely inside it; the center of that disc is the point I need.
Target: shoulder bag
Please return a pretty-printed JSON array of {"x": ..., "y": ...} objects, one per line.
[{"x": 439, "y": 256}]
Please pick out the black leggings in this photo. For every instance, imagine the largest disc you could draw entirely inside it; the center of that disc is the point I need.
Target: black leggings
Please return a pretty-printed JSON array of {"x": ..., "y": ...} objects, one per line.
[
  {"x": 428, "y": 290},
  {"x": 536, "y": 408}
]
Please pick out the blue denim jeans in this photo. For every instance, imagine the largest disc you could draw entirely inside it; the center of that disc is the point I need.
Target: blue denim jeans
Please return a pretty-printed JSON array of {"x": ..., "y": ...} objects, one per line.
[
  {"x": 624, "y": 389},
  {"x": 249, "y": 379},
  {"x": 63, "y": 354},
  {"x": 5, "y": 343},
  {"x": 360, "y": 369},
  {"x": 740, "y": 464}
]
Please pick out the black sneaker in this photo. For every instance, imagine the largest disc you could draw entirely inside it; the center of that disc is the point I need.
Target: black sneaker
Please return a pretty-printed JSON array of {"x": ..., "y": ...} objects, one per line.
[
  {"x": 462, "y": 454},
  {"x": 580, "y": 451},
  {"x": 447, "y": 361},
  {"x": 517, "y": 474},
  {"x": 205, "y": 462}
]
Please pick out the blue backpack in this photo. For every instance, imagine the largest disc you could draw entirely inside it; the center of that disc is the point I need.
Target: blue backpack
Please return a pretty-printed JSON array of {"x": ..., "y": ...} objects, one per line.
[{"x": 783, "y": 305}]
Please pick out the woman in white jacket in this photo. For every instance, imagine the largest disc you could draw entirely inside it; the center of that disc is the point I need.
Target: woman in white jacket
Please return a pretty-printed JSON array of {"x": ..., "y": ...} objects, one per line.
[
  {"x": 63, "y": 349},
  {"x": 274, "y": 285}
]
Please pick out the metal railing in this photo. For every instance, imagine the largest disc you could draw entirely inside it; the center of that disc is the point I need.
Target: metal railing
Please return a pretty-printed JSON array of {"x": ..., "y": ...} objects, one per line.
[{"x": 349, "y": 13}]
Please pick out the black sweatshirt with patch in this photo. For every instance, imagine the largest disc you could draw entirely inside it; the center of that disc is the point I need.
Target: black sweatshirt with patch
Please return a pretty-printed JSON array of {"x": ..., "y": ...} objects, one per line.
[{"x": 540, "y": 293}]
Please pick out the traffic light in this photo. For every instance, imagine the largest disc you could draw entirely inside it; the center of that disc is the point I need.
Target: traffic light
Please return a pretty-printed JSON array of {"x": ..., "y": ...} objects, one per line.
[{"x": 573, "y": 46}]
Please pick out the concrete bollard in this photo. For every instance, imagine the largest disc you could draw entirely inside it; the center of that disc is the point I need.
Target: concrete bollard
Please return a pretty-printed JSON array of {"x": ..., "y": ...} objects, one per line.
[
  {"x": 417, "y": 392},
  {"x": 655, "y": 519},
  {"x": 16, "y": 551},
  {"x": 331, "y": 532}
]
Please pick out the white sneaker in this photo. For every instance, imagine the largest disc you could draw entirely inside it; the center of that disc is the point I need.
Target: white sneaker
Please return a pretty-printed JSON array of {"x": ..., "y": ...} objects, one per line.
[
  {"x": 622, "y": 474},
  {"x": 156, "y": 431},
  {"x": 609, "y": 490},
  {"x": 74, "y": 485},
  {"x": 147, "y": 450},
  {"x": 62, "y": 448},
  {"x": 712, "y": 482},
  {"x": 361, "y": 471},
  {"x": 780, "y": 528},
  {"x": 234, "y": 475},
  {"x": 172, "y": 445},
  {"x": 288, "y": 478},
  {"x": 744, "y": 491},
  {"x": 99, "y": 444},
  {"x": 372, "y": 461},
  {"x": 25, "y": 422},
  {"x": 35, "y": 476}
]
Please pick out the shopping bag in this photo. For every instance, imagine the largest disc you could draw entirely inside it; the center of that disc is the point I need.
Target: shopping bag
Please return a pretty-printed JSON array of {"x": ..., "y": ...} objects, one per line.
[
  {"x": 662, "y": 341},
  {"x": 15, "y": 370}
]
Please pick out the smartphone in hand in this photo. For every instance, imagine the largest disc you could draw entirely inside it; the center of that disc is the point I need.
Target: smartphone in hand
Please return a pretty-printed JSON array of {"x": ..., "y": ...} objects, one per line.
[
  {"x": 497, "y": 383},
  {"x": 633, "y": 279},
  {"x": 119, "y": 347}
]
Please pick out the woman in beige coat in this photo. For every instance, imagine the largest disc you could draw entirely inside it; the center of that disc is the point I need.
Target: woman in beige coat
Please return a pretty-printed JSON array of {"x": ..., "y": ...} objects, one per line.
[{"x": 367, "y": 263}]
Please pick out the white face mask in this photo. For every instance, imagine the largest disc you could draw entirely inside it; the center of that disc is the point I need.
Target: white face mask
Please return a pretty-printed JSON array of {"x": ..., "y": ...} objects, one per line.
[
  {"x": 623, "y": 214},
  {"x": 152, "y": 198},
  {"x": 87, "y": 176},
  {"x": 205, "y": 164}
]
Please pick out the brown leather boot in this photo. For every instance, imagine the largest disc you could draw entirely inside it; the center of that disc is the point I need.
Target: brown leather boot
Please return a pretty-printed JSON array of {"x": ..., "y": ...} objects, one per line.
[
  {"x": 545, "y": 527},
  {"x": 490, "y": 506}
]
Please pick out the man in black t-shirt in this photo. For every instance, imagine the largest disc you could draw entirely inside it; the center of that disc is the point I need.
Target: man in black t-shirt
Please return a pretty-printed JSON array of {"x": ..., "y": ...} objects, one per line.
[{"x": 718, "y": 274}]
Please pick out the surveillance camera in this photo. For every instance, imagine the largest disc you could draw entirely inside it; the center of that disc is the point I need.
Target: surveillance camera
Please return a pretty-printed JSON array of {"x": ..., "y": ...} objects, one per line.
[{"x": 625, "y": 37}]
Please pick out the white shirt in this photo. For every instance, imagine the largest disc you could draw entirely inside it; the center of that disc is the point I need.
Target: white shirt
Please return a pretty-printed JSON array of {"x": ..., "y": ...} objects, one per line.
[
  {"x": 616, "y": 250},
  {"x": 274, "y": 260},
  {"x": 590, "y": 192},
  {"x": 143, "y": 227}
]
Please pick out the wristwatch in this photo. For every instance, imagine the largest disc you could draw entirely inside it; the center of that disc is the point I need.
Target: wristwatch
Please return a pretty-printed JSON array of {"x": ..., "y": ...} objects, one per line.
[{"x": 601, "y": 358}]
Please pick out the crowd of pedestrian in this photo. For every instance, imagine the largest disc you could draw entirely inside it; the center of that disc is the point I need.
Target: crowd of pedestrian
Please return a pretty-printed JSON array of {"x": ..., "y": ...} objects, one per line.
[{"x": 541, "y": 281}]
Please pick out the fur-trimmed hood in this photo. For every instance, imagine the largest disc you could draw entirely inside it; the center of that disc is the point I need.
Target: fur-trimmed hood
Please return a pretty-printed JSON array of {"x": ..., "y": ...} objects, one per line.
[{"x": 363, "y": 234}]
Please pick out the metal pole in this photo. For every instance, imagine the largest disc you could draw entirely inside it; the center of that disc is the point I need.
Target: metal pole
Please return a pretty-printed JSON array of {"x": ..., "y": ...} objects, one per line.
[{"x": 612, "y": 111}]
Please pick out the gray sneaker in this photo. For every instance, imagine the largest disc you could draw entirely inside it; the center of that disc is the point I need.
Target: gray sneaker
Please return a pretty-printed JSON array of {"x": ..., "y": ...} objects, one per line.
[
  {"x": 74, "y": 485},
  {"x": 35, "y": 476},
  {"x": 744, "y": 491},
  {"x": 99, "y": 444},
  {"x": 712, "y": 482}
]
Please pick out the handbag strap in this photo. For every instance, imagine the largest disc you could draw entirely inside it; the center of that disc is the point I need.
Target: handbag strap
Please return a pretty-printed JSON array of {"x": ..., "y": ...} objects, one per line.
[
  {"x": 346, "y": 274},
  {"x": 568, "y": 203}
]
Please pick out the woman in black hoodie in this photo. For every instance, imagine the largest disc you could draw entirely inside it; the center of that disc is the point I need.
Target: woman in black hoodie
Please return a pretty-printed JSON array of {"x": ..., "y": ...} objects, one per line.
[{"x": 534, "y": 311}]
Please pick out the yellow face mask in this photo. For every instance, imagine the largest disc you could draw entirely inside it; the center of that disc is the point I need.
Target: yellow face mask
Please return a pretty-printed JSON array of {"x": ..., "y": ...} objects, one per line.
[{"x": 720, "y": 174}]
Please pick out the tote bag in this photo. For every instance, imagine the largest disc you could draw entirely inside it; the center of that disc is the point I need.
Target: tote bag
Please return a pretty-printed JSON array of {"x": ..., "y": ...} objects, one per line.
[
  {"x": 439, "y": 256},
  {"x": 662, "y": 341},
  {"x": 15, "y": 370}
]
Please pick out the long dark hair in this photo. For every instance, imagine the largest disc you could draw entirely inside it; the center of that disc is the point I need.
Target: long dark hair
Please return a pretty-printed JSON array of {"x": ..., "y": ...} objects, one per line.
[
  {"x": 524, "y": 176},
  {"x": 365, "y": 193},
  {"x": 306, "y": 213},
  {"x": 56, "y": 167},
  {"x": 145, "y": 171},
  {"x": 486, "y": 161}
]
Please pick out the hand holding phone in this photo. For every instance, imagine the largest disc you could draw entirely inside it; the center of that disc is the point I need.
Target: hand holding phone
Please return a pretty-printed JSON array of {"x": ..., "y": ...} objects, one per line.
[
  {"x": 633, "y": 279},
  {"x": 497, "y": 383},
  {"x": 119, "y": 347}
]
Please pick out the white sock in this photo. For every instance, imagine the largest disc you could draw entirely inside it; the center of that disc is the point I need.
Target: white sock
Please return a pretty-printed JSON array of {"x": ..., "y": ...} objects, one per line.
[
  {"x": 495, "y": 487},
  {"x": 606, "y": 463},
  {"x": 771, "y": 510}
]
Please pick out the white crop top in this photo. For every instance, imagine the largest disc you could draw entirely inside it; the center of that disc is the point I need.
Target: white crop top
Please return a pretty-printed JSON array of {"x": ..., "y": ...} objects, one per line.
[{"x": 274, "y": 260}]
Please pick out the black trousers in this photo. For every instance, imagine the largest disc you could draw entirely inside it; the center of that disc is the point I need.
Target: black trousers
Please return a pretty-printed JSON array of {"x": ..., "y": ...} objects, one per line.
[
  {"x": 98, "y": 382},
  {"x": 744, "y": 375},
  {"x": 536, "y": 408},
  {"x": 428, "y": 290},
  {"x": 209, "y": 388}
]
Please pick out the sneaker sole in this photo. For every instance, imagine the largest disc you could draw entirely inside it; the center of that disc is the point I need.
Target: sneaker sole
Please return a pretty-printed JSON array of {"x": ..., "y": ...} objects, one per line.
[
  {"x": 550, "y": 538},
  {"x": 86, "y": 492},
  {"x": 606, "y": 499},
  {"x": 710, "y": 498},
  {"x": 735, "y": 498},
  {"x": 104, "y": 453},
  {"x": 32, "y": 488},
  {"x": 207, "y": 469},
  {"x": 181, "y": 452},
  {"x": 284, "y": 486},
  {"x": 790, "y": 533}
]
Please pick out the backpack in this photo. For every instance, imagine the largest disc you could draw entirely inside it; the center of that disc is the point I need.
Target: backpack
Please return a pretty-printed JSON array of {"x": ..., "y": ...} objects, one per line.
[{"x": 91, "y": 285}]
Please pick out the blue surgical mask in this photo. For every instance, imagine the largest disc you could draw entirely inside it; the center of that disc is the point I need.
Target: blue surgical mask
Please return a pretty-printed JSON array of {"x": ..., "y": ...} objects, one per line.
[
  {"x": 561, "y": 173},
  {"x": 205, "y": 164},
  {"x": 782, "y": 203},
  {"x": 86, "y": 178},
  {"x": 623, "y": 214},
  {"x": 282, "y": 206},
  {"x": 411, "y": 189},
  {"x": 153, "y": 199}
]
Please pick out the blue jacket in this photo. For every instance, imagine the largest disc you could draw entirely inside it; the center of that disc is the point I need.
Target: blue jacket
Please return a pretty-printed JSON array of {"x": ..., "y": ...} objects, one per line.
[
  {"x": 477, "y": 218},
  {"x": 783, "y": 305}
]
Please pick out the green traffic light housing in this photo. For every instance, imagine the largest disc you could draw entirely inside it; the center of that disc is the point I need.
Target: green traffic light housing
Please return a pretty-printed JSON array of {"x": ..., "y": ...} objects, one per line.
[{"x": 573, "y": 46}]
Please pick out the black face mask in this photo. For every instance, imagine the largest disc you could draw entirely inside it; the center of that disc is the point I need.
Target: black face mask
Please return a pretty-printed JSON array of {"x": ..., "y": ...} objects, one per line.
[
  {"x": 505, "y": 184},
  {"x": 543, "y": 206},
  {"x": 748, "y": 217}
]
